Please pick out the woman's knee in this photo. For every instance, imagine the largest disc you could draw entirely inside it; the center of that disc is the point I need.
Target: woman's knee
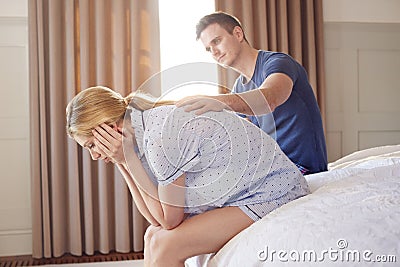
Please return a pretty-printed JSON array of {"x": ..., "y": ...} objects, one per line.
[
  {"x": 164, "y": 247},
  {"x": 148, "y": 235},
  {"x": 158, "y": 241}
]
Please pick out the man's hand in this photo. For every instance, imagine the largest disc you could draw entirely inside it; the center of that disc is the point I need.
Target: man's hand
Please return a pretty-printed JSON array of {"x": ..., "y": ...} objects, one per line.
[
  {"x": 109, "y": 140},
  {"x": 202, "y": 104}
]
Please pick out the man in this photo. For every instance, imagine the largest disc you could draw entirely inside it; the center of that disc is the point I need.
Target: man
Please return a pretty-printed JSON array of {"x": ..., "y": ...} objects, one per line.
[{"x": 281, "y": 92}]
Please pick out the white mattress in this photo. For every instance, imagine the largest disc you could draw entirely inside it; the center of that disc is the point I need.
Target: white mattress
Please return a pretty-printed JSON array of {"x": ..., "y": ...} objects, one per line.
[{"x": 353, "y": 213}]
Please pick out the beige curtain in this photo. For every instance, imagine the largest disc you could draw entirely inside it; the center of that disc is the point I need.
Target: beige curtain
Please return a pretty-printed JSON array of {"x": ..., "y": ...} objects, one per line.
[
  {"x": 81, "y": 206},
  {"x": 294, "y": 27}
]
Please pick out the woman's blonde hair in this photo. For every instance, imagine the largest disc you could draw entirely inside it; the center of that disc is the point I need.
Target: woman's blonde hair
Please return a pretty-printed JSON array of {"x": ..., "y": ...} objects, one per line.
[{"x": 96, "y": 105}]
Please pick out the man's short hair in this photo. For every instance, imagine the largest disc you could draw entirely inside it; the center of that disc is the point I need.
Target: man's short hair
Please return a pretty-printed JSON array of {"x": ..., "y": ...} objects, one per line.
[{"x": 226, "y": 21}]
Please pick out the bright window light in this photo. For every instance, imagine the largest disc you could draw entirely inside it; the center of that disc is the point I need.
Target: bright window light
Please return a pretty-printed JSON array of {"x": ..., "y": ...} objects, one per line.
[{"x": 178, "y": 19}]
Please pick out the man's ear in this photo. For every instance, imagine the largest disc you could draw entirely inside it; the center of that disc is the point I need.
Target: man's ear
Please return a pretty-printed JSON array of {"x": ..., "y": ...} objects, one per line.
[{"x": 238, "y": 33}]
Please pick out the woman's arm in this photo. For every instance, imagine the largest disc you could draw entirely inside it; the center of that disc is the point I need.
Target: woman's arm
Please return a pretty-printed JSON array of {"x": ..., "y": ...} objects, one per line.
[
  {"x": 164, "y": 204},
  {"x": 137, "y": 198}
]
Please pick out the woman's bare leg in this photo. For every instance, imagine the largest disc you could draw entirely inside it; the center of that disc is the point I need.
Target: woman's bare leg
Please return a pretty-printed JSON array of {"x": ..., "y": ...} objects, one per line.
[
  {"x": 147, "y": 239},
  {"x": 201, "y": 234}
]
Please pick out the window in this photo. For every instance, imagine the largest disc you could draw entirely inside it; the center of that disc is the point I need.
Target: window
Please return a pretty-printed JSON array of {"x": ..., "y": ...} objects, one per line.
[{"x": 178, "y": 21}]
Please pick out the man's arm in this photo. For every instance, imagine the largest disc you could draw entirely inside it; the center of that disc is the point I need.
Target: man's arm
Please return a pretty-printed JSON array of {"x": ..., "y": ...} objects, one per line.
[{"x": 273, "y": 92}]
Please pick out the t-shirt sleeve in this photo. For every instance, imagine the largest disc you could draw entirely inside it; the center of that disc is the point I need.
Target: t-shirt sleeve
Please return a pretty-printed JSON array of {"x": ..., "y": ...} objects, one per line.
[
  {"x": 236, "y": 89},
  {"x": 236, "y": 86},
  {"x": 173, "y": 154},
  {"x": 170, "y": 162},
  {"x": 281, "y": 63}
]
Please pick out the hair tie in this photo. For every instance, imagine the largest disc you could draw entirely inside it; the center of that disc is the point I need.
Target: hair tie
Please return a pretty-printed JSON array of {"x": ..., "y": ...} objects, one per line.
[{"x": 126, "y": 101}]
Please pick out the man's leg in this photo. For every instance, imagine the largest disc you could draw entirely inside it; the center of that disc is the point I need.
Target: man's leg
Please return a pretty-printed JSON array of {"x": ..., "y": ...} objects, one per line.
[{"x": 201, "y": 234}]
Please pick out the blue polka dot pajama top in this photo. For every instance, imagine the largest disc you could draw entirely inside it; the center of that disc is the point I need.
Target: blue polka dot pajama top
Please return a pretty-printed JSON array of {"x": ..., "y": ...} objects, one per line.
[{"x": 228, "y": 161}]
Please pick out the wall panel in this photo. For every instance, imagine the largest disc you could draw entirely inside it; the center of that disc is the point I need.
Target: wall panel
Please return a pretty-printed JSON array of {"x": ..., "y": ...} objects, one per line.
[
  {"x": 15, "y": 191},
  {"x": 363, "y": 92}
]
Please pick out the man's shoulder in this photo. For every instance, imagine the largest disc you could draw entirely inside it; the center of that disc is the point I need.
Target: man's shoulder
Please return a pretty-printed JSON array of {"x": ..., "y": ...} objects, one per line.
[{"x": 265, "y": 55}]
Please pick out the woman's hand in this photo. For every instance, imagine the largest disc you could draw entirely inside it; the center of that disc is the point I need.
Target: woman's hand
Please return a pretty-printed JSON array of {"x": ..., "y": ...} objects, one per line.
[{"x": 109, "y": 140}]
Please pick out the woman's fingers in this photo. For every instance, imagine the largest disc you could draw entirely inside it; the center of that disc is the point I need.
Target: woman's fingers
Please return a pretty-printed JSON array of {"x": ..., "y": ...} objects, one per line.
[
  {"x": 111, "y": 131},
  {"x": 110, "y": 141},
  {"x": 102, "y": 137},
  {"x": 102, "y": 147}
]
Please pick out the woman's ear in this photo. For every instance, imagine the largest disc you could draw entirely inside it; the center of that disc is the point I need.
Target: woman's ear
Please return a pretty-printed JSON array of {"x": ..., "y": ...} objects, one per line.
[
  {"x": 119, "y": 126},
  {"x": 113, "y": 125},
  {"x": 116, "y": 127}
]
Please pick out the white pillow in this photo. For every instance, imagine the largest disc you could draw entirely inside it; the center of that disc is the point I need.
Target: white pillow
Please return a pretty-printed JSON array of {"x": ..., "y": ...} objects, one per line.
[{"x": 364, "y": 155}]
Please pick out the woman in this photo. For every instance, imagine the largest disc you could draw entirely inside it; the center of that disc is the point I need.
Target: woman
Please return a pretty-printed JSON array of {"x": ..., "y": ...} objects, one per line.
[{"x": 199, "y": 180}]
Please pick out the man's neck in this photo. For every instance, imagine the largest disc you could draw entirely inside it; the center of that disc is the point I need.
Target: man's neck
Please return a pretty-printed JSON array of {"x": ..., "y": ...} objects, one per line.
[{"x": 246, "y": 62}]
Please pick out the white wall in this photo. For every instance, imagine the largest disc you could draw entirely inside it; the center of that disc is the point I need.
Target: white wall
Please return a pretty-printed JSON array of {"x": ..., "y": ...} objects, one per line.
[
  {"x": 15, "y": 197},
  {"x": 362, "y": 51},
  {"x": 14, "y": 8},
  {"x": 379, "y": 11}
]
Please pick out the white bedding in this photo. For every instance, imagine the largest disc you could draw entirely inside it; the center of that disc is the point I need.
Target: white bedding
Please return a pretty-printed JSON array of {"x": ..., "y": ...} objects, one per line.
[{"x": 351, "y": 218}]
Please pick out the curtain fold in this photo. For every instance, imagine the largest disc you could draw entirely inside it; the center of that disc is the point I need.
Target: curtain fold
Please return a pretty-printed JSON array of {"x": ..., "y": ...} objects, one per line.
[
  {"x": 294, "y": 27},
  {"x": 81, "y": 206}
]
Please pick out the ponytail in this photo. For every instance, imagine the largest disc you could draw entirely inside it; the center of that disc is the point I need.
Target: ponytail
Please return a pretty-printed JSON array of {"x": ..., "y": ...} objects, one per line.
[
  {"x": 144, "y": 101},
  {"x": 96, "y": 105}
]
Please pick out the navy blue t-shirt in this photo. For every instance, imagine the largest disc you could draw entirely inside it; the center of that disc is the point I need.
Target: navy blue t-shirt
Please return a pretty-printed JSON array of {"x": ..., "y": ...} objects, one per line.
[{"x": 298, "y": 125}]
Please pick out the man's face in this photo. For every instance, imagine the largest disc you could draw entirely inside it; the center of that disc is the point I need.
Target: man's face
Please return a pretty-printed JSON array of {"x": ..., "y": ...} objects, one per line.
[{"x": 223, "y": 46}]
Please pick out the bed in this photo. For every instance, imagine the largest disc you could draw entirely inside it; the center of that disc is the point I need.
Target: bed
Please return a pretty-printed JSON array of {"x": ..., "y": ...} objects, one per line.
[{"x": 351, "y": 218}]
